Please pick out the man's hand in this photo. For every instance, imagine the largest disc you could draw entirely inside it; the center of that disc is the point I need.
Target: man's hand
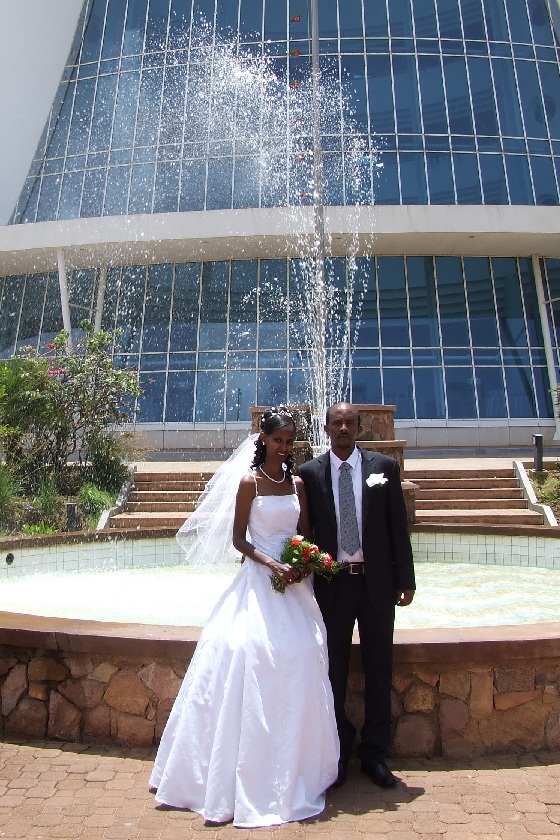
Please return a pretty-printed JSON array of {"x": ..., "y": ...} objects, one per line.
[{"x": 404, "y": 597}]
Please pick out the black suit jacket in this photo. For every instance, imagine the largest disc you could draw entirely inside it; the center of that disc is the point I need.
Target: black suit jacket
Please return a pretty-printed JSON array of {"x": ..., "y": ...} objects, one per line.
[{"x": 385, "y": 537}]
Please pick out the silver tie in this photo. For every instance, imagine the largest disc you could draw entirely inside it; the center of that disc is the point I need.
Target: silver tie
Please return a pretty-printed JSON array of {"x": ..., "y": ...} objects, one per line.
[{"x": 349, "y": 533}]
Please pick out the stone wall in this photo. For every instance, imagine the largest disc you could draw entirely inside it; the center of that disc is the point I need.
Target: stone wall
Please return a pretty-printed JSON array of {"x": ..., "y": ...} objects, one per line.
[{"x": 455, "y": 709}]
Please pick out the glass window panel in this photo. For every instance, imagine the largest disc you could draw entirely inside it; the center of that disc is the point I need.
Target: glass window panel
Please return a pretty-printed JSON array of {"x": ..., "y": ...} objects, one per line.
[
  {"x": 480, "y": 295},
  {"x": 70, "y": 195},
  {"x": 397, "y": 358},
  {"x": 141, "y": 188},
  {"x": 449, "y": 19},
  {"x": 542, "y": 385},
  {"x": 366, "y": 358},
  {"x": 246, "y": 182},
  {"x": 531, "y": 99},
  {"x": 518, "y": 21},
  {"x": 426, "y": 357},
  {"x": 487, "y": 356},
  {"x": 375, "y": 20},
  {"x": 156, "y": 25},
  {"x": 433, "y": 96},
  {"x": 493, "y": 179},
  {"x": 131, "y": 303},
  {"x": 172, "y": 106},
  {"x": 213, "y": 310},
  {"x": 400, "y": 18},
  {"x": 48, "y": 198},
  {"x": 430, "y": 400},
  {"x": 516, "y": 356},
  {"x": 454, "y": 356},
  {"x": 521, "y": 398},
  {"x": 91, "y": 42},
  {"x": 386, "y": 182},
  {"x": 459, "y": 386},
  {"x": 103, "y": 113},
  {"x": 440, "y": 178},
  {"x": 490, "y": 391},
  {"x": 550, "y": 81},
  {"x": 149, "y": 100},
  {"x": 506, "y": 97},
  {"x": 193, "y": 182},
  {"x": 81, "y": 117},
  {"x": 473, "y": 19},
  {"x": 452, "y": 303},
  {"x": 180, "y": 397},
  {"x": 397, "y": 390},
  {"x": 275, "y": 21},
  {"x": 150, "y": 404},
  {"x": 32, "y": 310},
  {"x": 157, "y": 308},
  {"x": 219, "y": 187},
  {"x": 273, "y": 304},
  {"x": 406, "y": 94},
  {"x": 241, "y": 394},
  {"x": 542, "y": 170},
  {"x": 125, "y": 110},
  {"x": 116, "y": 191},
  {"x": 210, "y": 387},
  {"x": 110, "y": 299},
  {"x": 272, "y": 387},
  {"x": 167, "y": 187},
  {"x": 134, "y": 30},
  {"x": 380, "y": 94},
  {"x": 153, "y": 361},
  {"x": 496, "y": 21},
  {"x": 413, "y": 178},
  {"x": 511, "y": 317},
  {"x": 422, "y": 302},
  {"x": 250, "y": 20},
  {"x": 366, "y": 386},
  {"x": 519, "y": 179},
  {"x": 458, "y": 97},
  {"x": 211, "y": 361},
  {"x": 482, "y": 88},
  {"x": 425, "y": 21},
  {"x": 59, "y": 138},
  {"x": 114, "y": 26},
  {"x": 467, "y": 179},
  {"x": 530, "y": 301},
  {"x": 92, "y": 197},
  {"x": 392, "y": 302},
  {"x": 52, "y": 315}
]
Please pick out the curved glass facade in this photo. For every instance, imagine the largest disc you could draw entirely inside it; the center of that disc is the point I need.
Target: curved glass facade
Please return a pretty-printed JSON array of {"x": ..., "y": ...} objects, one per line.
[
  {"x": 448, "y": 101},
  {"x": 443, "y": 338}
]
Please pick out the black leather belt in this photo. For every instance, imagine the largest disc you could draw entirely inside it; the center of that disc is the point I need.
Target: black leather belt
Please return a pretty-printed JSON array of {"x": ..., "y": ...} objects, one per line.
[{"x": 354, "y": 568}]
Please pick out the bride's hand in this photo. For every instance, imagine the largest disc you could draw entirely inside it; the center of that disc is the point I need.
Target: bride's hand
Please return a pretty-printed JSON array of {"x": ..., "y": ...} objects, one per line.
[{"x": 286, "y": 573}]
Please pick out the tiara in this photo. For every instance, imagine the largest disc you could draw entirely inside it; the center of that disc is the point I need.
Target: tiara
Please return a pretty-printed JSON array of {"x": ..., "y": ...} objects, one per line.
[{"x": 280, "y": 411}]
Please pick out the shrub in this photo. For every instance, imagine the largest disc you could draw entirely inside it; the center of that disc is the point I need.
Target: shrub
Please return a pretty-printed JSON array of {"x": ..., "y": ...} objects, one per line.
[{"x": 93, "y": 501}]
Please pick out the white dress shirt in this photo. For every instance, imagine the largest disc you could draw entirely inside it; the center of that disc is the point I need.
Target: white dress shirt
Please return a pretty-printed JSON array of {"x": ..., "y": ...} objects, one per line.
[{"x": 355, "y": 461}]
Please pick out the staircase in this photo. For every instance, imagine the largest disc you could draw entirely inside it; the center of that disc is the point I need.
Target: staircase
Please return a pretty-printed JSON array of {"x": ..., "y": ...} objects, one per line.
[
  {"x": 479, "y": 496},
  {"x": 160, "y": 499}
]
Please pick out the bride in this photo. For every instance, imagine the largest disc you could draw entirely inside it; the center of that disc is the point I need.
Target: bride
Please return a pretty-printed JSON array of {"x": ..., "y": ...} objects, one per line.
[{"x": 252, "y": 735}]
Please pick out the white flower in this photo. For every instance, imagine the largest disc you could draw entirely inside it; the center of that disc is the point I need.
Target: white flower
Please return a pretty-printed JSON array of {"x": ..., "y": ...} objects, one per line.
[{"x": 376, "y": 479}]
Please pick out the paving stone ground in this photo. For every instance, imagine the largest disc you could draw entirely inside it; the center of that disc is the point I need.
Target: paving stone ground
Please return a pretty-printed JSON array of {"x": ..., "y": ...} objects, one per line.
[{"x": 54, "y": 791}]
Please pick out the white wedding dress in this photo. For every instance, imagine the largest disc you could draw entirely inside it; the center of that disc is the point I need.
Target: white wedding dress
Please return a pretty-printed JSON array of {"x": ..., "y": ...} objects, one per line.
[{"x": 252, "y": 735}]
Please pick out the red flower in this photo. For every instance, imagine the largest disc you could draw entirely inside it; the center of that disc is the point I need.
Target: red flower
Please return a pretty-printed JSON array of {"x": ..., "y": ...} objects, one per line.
[
  {"x": 297, "y": 540},
  {"x": 50, "y": 346},
  {"x": 327, "y": 561}
]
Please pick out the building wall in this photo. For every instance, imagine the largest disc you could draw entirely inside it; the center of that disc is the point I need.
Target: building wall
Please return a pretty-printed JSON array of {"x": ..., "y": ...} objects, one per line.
[{"x": 35, "y": 39}]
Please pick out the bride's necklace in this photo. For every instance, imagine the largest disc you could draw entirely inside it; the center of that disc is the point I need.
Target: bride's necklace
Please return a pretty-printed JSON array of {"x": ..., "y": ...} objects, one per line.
[{"x": 275, "y": 480}]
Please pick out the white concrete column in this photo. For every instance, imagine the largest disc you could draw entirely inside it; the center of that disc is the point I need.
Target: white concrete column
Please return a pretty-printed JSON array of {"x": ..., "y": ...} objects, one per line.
[
  {"x": 63, "y": 285},
  {"x": 547, "y": 338}
]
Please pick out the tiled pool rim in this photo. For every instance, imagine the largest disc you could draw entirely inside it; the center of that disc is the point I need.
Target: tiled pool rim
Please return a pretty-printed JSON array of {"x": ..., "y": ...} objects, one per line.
[{"x": 513, "y": 545}]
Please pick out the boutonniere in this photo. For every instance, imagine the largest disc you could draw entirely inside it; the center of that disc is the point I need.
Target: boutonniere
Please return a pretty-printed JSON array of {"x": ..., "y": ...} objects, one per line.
[{"x": 376, "y": 479}]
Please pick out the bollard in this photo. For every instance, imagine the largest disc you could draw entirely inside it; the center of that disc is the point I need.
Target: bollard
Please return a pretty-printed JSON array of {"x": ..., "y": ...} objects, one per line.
[
  {"x": 538, "y": 458},
  {"x": 72, "y": 516}
]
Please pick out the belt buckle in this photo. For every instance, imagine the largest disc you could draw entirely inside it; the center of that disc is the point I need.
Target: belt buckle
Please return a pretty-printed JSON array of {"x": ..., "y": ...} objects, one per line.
[{"x": 355, "y": 569}]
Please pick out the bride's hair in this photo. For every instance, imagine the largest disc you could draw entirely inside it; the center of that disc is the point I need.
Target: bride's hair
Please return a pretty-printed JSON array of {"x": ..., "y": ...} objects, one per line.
[{"x": 272, "y": 419}]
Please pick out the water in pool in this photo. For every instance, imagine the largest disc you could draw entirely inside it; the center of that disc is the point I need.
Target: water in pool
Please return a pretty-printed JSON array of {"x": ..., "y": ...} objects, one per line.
[{"x": 449, "y": 595}]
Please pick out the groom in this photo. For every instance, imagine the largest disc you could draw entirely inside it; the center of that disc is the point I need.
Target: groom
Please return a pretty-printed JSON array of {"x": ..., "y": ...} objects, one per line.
[{"x": 358, "y": 515}]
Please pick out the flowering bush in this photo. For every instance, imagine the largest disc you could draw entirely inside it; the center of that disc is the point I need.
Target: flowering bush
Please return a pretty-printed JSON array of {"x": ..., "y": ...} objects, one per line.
[{"x": 305, "y": 557}]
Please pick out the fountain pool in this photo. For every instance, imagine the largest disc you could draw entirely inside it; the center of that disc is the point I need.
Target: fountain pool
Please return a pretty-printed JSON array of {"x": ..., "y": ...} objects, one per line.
[{"x": 464, "y": 580}]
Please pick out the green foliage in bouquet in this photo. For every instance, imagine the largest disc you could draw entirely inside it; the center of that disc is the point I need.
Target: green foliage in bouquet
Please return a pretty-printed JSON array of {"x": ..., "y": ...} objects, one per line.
[{"x": 305, "y": 557}]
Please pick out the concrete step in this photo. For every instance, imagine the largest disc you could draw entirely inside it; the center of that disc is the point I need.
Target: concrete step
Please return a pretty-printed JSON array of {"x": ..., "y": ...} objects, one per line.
[
  {"x": 175, "y": 485},
  {"x": 179, "y": 496},
  {"x": 436, "y": 493},
  {"x": 460, "y": 483},
  {"x": 152, "y": 506},
  {"x": 486, "y": 516},
  {"x": 413, "y": 473},
  {"x": 136, "y": 521},
  {"x": 470, "y": 504}
]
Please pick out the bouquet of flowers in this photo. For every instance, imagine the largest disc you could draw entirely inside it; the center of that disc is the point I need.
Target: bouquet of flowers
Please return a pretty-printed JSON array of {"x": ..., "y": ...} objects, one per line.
[{"x": 306, "y": 557}]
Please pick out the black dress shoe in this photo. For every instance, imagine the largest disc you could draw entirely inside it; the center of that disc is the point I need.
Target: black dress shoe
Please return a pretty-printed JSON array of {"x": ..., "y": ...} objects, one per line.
[
  {"x": 342, "y": 775},
  {"x": 379, "y": 774}
]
